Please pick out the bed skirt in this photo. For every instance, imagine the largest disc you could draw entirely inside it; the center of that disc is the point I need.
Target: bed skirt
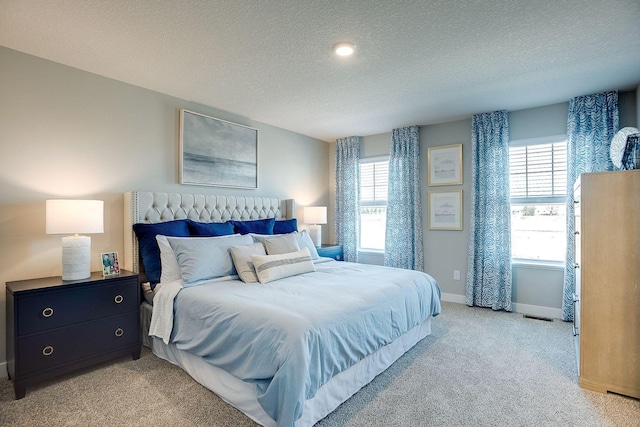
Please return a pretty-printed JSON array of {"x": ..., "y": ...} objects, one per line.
[{"x": 242, "y": 395}]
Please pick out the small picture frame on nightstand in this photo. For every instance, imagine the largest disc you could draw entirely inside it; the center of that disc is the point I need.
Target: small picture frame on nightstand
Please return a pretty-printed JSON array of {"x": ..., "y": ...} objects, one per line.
[{"x": 109, "y": 262}]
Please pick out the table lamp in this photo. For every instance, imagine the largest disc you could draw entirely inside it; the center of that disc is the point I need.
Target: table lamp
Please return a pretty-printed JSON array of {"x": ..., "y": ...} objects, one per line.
[
  {"x": 75, "y": 217},
  {"x": 315, "y": 215}
]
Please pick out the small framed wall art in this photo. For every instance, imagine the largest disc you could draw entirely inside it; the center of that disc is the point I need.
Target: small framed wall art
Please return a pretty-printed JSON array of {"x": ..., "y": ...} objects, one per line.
[
  {"x": 445, "y": 210},
  {"x": 216, "y": 152},
  {"x": 109, "y": 262},
  {"x": 445, "y": 165}
]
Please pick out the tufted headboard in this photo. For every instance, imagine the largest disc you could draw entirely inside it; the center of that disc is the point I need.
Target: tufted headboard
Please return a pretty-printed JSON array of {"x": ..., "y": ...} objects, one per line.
[{"x": 149, "y": 207}]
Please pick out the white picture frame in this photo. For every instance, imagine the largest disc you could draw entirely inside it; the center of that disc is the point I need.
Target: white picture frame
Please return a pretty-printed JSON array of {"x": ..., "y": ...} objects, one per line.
[
  {"x": 216, "y": 152},
  {"x": 445, "y": 165},
  {"x": 109, "y": 263},
  {"x": 445, "y": 210}
]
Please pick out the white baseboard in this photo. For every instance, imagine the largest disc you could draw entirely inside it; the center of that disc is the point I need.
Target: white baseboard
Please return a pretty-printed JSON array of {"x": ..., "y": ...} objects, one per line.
[
  {"x": 533, "y": 310},
  {"x": 453, "y": 298},
  {"x": 537, "y": 310},
  {"x": 3, "y": 370}
]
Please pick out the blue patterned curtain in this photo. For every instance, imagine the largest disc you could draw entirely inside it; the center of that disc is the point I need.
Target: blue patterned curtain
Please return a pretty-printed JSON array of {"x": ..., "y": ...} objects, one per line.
[
  {"x": 403, "y": 246},
  {"x": 348, "y": 196},
  {"x": 489, "y": 265},
  {"x": 591, "y": 124}
]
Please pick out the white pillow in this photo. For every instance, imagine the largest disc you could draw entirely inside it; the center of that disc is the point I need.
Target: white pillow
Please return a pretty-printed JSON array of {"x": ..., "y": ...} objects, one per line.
[
  {"x": 273, "y": 267},
  {"x": 259, "y": 238},
  {"x": 244, "y": 264},
  {"x": 203, "y": 258},
  {"x": 304, "y": 241},
  {"x": 282, "y": 244},
  {"x": 169, "y": 268}
]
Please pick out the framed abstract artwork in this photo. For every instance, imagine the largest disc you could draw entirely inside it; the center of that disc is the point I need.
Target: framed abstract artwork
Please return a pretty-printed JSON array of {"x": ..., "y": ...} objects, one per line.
[
  {"x": 445, "y": 210},
  {"x": 445, "y": 165},
  {"x": 216, "y": 152}
]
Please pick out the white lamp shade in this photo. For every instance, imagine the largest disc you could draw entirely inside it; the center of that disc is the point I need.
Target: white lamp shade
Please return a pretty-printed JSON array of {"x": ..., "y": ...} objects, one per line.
[
  {"x": 75, "y": 216},
  {"x": 315, "y": 215}
]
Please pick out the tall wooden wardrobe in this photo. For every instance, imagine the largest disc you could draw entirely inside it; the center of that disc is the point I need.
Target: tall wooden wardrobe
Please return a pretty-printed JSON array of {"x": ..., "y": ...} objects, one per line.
[{"x": 607, "y": 295}]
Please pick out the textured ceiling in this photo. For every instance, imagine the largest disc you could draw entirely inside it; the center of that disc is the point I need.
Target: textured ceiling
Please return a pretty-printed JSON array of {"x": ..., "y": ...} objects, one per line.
[{"x": 417, "y": 61}]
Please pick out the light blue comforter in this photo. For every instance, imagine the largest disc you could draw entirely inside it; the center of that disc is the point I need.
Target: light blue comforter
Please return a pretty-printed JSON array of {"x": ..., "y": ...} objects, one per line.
[{"x": 291, "y": 336}]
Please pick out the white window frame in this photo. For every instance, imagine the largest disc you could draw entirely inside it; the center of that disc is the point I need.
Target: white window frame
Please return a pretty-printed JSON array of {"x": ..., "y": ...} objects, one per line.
[
  {"x": 378, "y": 159},
  {"x": 550, "y": 200}
]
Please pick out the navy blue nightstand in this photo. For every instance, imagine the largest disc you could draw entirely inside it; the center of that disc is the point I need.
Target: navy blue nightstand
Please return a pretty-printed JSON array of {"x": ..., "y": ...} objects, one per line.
[
  {"x": 56, "y": 326},
  {"x": 331, "y": 251}
]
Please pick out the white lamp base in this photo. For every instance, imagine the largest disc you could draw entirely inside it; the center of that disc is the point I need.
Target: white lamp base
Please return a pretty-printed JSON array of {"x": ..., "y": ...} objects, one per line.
[
  {"x": 315, "y": 232},
  {"x": 76, "y": 257}
]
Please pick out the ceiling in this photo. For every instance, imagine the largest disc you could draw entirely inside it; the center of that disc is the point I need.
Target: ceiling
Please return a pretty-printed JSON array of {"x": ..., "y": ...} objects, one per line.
[{"x": 417, "y": 61}]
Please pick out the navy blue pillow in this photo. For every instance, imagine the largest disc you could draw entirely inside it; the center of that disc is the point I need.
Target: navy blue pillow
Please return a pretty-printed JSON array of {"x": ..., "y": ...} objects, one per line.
[
  {"x": 210, "y": 229},
  {"x": 258, "y": 226},
  {"x": 285, "y": 226},
  {"x": 148, "y": 245}
]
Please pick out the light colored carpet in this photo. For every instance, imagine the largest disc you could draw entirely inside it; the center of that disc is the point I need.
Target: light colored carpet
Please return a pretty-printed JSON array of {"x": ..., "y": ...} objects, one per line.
[{"x": 478, "y": 368}]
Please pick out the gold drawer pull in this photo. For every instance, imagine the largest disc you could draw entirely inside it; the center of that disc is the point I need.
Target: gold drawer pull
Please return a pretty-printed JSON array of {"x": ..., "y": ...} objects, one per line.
[
  {"x": 119, "y": 332},
  {"x": 118, "y": 299},
  {"x": 47, "y": 351},
  {"x": 47, "y": 312}
]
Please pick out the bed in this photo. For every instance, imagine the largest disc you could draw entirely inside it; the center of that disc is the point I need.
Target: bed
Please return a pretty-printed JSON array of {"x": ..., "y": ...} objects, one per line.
[{"x": 286, "y": 350}]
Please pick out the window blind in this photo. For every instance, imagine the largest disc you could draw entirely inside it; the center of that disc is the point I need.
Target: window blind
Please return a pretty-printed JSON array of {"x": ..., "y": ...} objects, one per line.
[
  {"x": 373, "y": 183},
  {"x": 538, "y": 173}
]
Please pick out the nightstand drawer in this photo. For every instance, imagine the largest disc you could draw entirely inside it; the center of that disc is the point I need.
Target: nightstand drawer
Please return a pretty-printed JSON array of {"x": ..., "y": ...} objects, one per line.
[
  {"x": 65, "y": 345},
  {"x": 60, "y": 307}
]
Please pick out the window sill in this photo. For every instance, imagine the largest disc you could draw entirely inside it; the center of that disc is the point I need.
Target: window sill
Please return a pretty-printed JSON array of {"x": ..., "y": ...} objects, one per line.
[
  {"x": 371, "y": 251},
  {"x": 543, "y": 265}
]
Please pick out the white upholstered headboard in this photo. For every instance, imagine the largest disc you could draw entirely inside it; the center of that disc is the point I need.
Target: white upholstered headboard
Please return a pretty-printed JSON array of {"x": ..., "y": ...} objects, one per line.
[{"x": 150, "y": 207}]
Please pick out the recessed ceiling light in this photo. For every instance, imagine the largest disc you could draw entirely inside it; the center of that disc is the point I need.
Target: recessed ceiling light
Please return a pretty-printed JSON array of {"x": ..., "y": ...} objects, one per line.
[{"x": 344, "y": 49}]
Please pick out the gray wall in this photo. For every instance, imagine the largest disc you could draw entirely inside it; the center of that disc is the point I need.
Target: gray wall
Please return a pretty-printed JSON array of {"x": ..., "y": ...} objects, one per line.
[
  {"x": 67, "y": 133},
  {"x": 446, "y": 251},
  {"x": 638, "y": 106},
  {"x": 628, "y": 102}
]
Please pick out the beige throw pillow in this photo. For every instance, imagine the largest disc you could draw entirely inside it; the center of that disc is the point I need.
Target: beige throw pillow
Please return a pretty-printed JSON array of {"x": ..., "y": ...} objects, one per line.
[
  {"x": 242, "y": 260},
  {"x": 282, "y": 244}
]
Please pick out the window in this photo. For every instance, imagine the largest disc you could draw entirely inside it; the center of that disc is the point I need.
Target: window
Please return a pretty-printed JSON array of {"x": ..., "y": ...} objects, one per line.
[
  {"x": 538, "y": 179},
  {"x": 374, "y": 174}
]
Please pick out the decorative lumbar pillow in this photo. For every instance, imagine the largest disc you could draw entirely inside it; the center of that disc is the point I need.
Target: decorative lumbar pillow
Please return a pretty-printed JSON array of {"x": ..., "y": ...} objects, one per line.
[
  {"x": 244, "y": 264},
  {"x": 258, "y": 226},
  {"x": 282, "y": 244},
  {"x": 210, "y": 229},
  {"x": 204, "y": 258},
  {"x": 170, "y": 270},
  {"x": 274, "y": 267},
  {"x": 285, "y": 226},
  {"x": 148, "y": 245}
]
